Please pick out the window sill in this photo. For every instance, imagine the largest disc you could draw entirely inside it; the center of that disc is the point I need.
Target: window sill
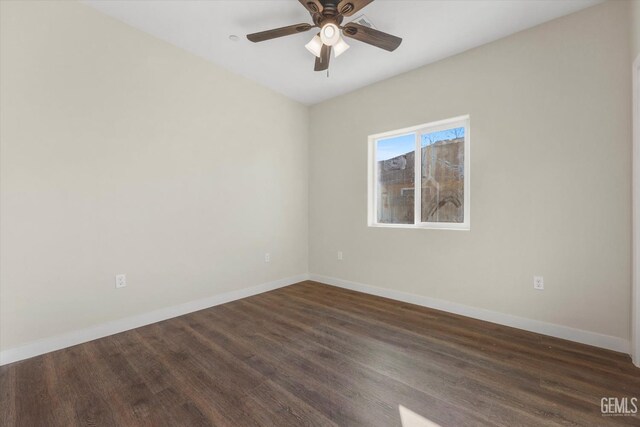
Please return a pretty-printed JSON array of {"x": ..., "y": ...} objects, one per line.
[{"x": 442, "y": 226}]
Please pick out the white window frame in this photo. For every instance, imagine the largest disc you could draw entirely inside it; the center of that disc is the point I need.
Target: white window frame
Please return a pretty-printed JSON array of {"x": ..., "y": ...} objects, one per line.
[{"x": 455, "y": 122}]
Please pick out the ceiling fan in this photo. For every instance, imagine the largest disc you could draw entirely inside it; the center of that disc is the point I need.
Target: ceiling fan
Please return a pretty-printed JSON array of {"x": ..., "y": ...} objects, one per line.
[{"x": 328, "y": 16}]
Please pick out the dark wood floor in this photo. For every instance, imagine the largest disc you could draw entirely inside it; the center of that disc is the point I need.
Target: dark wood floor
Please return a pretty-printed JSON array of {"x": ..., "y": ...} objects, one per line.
[{"x": 312, "y": 354}]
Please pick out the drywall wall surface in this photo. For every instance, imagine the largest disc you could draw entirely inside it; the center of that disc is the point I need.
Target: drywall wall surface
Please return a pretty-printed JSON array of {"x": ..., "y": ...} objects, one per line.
[
  {"x": 121, "y": 153},
  {"x": 550, "y": 177},
  {"x": 635, "y": 29}
]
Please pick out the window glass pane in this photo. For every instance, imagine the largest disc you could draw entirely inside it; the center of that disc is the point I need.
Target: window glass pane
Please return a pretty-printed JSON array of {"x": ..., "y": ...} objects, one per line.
[
  {"x": 395, "y": 160},
  {"x": 443, "y": 176}
]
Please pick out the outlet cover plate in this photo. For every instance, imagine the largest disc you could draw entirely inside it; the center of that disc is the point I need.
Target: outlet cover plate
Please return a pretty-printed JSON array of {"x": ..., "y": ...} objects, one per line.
[
  {"x": 121, "y": 280},
  {"x": 538, "y": 283}
]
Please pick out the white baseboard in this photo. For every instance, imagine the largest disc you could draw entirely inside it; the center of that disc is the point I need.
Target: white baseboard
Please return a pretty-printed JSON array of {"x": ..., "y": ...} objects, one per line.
[
  {"x": 69, "y": 339},
  {"x": 578, "y": 335}
]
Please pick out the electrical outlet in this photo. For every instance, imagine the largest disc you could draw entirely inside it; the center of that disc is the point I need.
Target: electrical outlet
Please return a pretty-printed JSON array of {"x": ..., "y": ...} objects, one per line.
[
  {"x": 267, "y": 257},
  {"x": 538, "y": 283},
  {"x": 121, "y": 280},
  {"x": 339, "y": 255}
]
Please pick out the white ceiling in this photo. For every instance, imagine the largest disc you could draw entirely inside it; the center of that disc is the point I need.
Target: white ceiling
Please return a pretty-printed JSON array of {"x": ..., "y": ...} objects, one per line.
[{"x": 431, "y": 30}]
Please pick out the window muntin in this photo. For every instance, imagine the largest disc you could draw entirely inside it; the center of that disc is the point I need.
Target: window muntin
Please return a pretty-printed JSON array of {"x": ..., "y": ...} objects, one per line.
[{"x": 441, "y": 198}]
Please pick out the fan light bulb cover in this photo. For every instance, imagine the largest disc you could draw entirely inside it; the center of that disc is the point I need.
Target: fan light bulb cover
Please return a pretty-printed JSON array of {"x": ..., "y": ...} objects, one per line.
[
  {"x": 340, "y": 47},
  {"x": 330, "y": 34},
  {"x": 315, "y": 46}
]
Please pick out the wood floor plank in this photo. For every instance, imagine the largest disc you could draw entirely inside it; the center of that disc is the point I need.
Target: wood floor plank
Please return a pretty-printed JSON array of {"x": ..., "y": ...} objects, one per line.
[
  {"x": 274, "y": 406},
  {"x": 501, "y": 349},
  {"x": 56, "y": 398},
  {"x": 83, "y": 390},
  {"x": 30, "y": 382},
  {"x": 317, "y": 355},
  {"x": 129, "y": 393},
  {"x": 551, "y": 347},
  {"x": 518, "y": 340},
  {"x": 429, "y": 376},
  {"x": 8, "y": 396},
  {"x": 172, "y": 406},
  {"x": 207, "y": 383},
  {"x": 390, "y": 334},
  {"x": 305, "y": 378},
  {"x": 370, "y": 381}
]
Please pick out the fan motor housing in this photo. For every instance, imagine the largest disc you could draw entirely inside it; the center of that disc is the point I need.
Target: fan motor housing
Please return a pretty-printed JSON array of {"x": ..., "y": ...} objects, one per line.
[{"x": 329, "y": 14}]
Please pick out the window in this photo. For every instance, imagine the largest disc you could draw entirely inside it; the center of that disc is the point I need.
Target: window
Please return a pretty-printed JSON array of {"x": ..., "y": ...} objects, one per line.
[{"x": 427, "y": 190}]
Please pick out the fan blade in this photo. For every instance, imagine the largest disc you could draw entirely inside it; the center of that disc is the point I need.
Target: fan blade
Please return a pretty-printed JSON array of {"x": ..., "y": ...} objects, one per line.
[
  {"x": 279, "y": 32},
  {"x": 349, "y": 7},
  {"x": 373, "y": 37},
  {"x": 313, "y": 6},
  {"x": 322, "y": 63}
]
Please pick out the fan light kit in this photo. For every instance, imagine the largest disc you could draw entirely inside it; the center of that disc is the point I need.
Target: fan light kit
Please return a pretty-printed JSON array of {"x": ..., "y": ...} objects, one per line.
[
  {"x": 328, "y": 16},
  {"x": 340, "y": 47},
  {"x": 330, "y": 34},
  {"x": 315, "y": 45}
]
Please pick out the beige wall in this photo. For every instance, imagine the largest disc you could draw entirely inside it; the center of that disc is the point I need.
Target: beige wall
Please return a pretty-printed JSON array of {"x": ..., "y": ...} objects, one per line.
[
  {"x": 635, "y": 28},
  {"x": 550, "y": 177},
  {"x": 123, "y": 154}
]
